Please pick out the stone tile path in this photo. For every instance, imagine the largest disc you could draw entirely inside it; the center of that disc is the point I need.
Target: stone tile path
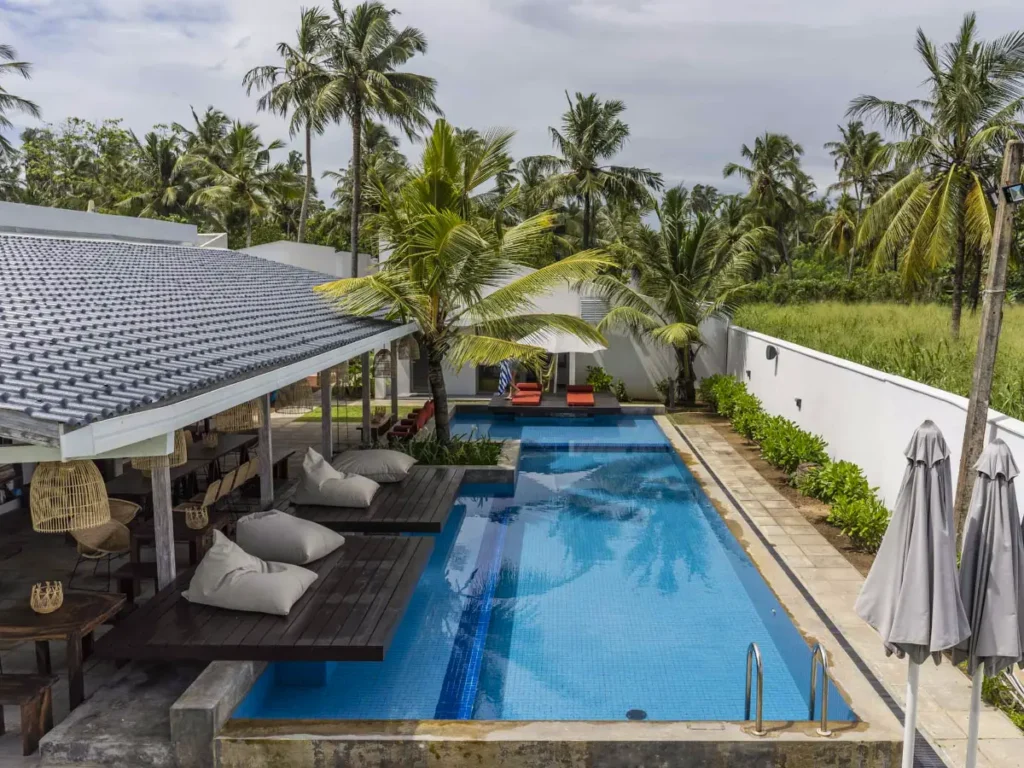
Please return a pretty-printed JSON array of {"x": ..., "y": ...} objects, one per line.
[{"x": 945, "y": 692}]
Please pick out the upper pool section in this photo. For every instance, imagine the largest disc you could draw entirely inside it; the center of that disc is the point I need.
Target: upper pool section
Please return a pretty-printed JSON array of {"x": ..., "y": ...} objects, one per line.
[{"x": 560, "y": 432}]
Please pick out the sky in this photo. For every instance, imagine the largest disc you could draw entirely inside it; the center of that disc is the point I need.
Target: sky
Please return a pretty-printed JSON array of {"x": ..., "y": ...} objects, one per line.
[{"x": 699, "y": 77}]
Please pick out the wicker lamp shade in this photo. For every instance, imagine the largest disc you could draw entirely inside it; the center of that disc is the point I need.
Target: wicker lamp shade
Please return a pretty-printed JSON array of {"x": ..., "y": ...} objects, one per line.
[
  {"x": 176, "y": 459},
  {"x": 241, "y": 418},
  {"x": 297, "y": 395},
  {"x": 68, "y": 496},
  {"x": 408, "y": 349},
  {"x": 382, "y": 364}
]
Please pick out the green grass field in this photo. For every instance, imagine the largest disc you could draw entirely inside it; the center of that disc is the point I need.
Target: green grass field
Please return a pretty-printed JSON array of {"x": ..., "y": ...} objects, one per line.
[
  {"x": 910, "y": 341},
  {"x": 349, "y": 413}
]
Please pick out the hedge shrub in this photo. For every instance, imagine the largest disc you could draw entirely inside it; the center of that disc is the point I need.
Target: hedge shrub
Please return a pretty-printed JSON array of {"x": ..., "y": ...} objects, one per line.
[{"x": 856, "y": 509}]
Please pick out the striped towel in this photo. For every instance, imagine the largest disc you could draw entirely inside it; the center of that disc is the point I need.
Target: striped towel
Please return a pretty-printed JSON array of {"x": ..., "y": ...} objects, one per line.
[{"x": 505, "y": 376}]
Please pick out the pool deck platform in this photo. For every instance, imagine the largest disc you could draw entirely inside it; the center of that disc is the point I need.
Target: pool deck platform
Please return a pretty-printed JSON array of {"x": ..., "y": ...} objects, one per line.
[
  {"x": 419, "y": 504},
  {"x": 553, "y": 404},
  {"x": 350, "y": 613}
]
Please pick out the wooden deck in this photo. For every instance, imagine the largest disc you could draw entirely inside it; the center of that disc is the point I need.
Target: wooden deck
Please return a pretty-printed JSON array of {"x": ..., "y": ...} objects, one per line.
[
  {"x": 419, "y": 504},
  {"x": 350, "y": 613},
  {"x": 551, "y": 404}
]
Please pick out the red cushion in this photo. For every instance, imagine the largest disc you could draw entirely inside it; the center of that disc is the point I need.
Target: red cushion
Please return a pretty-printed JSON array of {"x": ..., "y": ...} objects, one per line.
[
  {"x": 579, "y": 388},
  {"x": 579, "y": 398},
  {"x": 528, "y": 386},
  {"x": 530, "y": 398}
]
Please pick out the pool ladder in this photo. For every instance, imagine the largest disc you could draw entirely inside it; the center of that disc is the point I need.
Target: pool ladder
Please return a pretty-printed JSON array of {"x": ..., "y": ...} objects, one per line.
[{"x": 817, "y": 659}]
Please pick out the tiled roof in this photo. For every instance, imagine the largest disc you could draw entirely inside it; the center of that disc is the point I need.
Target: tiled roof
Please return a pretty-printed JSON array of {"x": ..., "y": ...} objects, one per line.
[{"x": 92, "y": 329}]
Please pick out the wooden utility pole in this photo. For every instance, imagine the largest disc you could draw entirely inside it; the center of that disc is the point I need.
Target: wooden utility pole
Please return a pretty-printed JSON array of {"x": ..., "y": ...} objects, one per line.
[{"x": 988, "y": 337}]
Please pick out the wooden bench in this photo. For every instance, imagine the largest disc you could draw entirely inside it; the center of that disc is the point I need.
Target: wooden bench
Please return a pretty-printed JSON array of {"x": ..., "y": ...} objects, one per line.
[{"x": 32, "y": 693}]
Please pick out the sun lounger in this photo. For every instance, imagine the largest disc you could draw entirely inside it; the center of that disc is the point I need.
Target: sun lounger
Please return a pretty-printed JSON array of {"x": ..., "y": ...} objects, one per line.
[{"x": 579, "y": 395}]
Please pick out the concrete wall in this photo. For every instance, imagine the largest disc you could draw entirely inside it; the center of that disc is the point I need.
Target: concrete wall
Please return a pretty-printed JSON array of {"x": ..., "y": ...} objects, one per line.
[
  {"x": 640, "y": 366},
  {"x": 866, "y": 416},
  {"x": 318, "y": 258},
  {"x": 37, "y": 219}
]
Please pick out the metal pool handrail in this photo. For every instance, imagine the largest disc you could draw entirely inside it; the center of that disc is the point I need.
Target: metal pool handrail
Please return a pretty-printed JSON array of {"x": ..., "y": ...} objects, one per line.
[
  {"x": 817, "y": 653},
  {"x": 754, "y": 653}
]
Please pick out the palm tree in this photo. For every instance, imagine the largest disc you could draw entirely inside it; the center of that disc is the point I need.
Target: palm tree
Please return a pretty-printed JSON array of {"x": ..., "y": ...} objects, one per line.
[
  {"x": 939, "y": 211},
  {"x": 366, "y": 51},
  {"x": 239, "y": 178},
  {"x": 300, "y": 86},
  {"x": 163, "y": 184},
  {"x": 861, "y": 160},
  {"x": 694, "y": 269},
  {"x": 592, "y": 131},
  {"x": 837, "y": 230},
  {"x": 8, "y": 101},
  {"x": 207, "y": 134},
  {"x": 456, "y": 277},
  {"x": 774, "y": 176}
]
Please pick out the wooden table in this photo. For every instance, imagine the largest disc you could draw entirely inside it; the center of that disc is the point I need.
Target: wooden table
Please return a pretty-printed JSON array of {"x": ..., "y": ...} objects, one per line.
[
  {"x": 145, "y": 535},
  {"x": 135, "y": 486},
  {"x": 73, "y": 623},
  {"x": 225, "y": 444}
]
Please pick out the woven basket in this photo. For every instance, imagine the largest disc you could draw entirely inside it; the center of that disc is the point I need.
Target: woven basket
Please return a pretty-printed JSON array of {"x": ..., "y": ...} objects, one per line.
[
  {"x": 47, "y": 596},
  {"x": 180, "y": 456},
  {"x": 111, "y": 538},
  {"x": 196, "y": 518},
  {"x": 241, "y": 418},
  {"x": 210, "y": 439},
  {"x": 66, "y": 496}
]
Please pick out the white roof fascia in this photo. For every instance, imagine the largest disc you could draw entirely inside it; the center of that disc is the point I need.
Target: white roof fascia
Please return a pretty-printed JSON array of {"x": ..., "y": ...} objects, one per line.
[
  {"x": 161, "y": 445},
  {"x": 114, "y": 433}
]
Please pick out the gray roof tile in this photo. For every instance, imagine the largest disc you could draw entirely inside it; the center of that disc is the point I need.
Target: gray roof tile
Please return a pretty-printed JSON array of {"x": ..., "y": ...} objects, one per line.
[{"x": 92, "y": 329}]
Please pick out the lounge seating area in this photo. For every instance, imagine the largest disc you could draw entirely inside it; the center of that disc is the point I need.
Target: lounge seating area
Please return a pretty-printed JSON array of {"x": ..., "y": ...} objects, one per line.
[{"x": 529, "y": 398}]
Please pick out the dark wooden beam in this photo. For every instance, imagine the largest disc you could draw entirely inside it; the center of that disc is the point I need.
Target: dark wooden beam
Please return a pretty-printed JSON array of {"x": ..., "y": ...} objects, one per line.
[{"x": 20, "y": 428}]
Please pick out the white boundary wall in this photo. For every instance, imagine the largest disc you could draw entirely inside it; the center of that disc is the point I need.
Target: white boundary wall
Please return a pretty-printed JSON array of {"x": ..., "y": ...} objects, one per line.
[{"x": 866, "y": 416}]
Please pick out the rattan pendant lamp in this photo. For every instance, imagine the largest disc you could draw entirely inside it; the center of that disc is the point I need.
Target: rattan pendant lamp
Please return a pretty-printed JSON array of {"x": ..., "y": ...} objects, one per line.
[
  {"x": 180, "y": 456},
  {"x": 241, "y": 418},
  {"x": 67, "y": 496}
]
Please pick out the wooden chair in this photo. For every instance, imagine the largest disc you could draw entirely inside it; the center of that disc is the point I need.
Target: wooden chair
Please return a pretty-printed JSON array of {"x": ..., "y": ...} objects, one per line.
[
  {"x": 32, "y": 693},
  {"x": 205, "y": 501}
]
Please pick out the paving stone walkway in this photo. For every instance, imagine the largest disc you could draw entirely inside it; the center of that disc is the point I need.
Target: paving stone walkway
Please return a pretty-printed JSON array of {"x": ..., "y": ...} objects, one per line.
[{"x": 945, "y": 692}]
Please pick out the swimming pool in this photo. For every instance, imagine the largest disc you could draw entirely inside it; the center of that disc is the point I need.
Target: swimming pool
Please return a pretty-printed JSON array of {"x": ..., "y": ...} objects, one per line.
[{"x": 604, "y": 583}]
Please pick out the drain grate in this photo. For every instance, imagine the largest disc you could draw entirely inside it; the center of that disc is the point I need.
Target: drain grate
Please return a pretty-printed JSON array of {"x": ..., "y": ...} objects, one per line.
[{"x": 636, "y": 714}]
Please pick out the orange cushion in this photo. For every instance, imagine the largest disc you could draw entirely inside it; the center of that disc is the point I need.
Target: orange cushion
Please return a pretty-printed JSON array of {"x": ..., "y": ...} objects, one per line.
[
  {"x": 531, "y": 398},
  {"x": 528, "y": 386},
  {"x": 580, "y": 388},
  {"x": 579, "y": 398}
]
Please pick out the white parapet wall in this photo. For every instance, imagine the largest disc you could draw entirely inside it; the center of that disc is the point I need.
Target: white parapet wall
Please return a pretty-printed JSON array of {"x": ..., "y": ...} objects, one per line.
[
  {"x": 866, "y": 416},
  {"x": 318, "y": 258}
]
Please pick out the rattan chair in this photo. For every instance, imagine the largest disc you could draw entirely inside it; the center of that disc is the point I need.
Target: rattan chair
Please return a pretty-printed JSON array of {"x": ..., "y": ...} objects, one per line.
[
  {"x": 105, "y": 542},
  {"x": 205, "y": 500},
  {"x": 123, "y": 511}
]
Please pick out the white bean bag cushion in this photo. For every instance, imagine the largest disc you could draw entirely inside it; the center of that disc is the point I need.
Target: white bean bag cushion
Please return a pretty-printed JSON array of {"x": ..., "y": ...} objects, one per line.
[
  {"x": 323, "y": 485},
  {"x": 228, "y": 577},
  {"x": 378, "y": 464},
  {"x": 284, "y": 538}
]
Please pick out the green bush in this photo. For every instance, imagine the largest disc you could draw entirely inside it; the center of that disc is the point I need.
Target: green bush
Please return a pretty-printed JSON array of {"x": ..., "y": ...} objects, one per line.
[
  {"x": 461, "y": 451},
  {"x": 834, "y": 480},
  {"x": 786, "y": 446},
  {"x": 619, "y": 390},
  {"x": 748, "y": 418},
  {"x": 863, "y": 520},
  {"x": 599, "y": 378}
]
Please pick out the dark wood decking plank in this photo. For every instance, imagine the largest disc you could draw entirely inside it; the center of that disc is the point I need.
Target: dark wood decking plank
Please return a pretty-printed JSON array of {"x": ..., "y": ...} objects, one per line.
[
  {"x": 398, "y": 588},
  {"x": 397, "y": 559},
  {"x": 392, "y": 615},
  {"x": 441, "y": 507},
  {"x": 406, "y": 495}
]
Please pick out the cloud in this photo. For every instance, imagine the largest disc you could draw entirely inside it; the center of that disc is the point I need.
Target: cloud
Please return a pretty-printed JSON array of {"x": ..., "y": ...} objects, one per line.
[{"x": 699, "y": 78}]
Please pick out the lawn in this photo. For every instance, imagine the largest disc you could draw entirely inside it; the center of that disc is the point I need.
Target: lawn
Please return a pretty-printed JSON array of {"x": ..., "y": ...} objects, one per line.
[
  {"x": 911, "y": 341},
  {"x": 350, "y": 413}
]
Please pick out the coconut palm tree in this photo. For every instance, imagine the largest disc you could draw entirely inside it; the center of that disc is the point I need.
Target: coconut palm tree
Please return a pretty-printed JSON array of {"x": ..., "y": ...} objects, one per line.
[
  {"x": 593, "y": 131},
  {"x": 694, "y": 269},
  {"x": 456, "y": 277},
  {"x": 366, "y": 52},
  {"x": 8, "y": 101},
  {"x": 207, "y": 134},
  {"x": 952, "y": 139},
  {"x": 836, "y": 231},
  {"x": 774, "y": 176},
  {"x": 238, "y": 177},
  {"x": 163, "y": 186},
  {"x": 300, "y": 86}
]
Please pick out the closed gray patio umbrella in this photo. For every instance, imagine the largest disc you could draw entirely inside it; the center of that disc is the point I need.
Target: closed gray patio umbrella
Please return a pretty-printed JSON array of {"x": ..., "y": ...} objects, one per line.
[
  {"x": 911, "y": 595},
  {"x": 992, "y": 578}
]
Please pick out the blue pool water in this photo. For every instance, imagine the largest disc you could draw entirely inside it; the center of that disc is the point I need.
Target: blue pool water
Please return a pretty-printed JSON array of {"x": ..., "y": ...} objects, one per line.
[
  {"x": 564, "y": 432},
  {"x": 604, "y": 582}
]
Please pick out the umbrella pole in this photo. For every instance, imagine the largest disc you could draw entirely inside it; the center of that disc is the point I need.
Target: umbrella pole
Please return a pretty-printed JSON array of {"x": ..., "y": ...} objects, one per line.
[
  {"x": 972, "y": 729},
  {"x": 910, "y": 719}
]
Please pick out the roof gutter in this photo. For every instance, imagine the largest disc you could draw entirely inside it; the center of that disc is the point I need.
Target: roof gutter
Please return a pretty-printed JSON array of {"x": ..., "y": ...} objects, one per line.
[{"x": 103, "y": 437}]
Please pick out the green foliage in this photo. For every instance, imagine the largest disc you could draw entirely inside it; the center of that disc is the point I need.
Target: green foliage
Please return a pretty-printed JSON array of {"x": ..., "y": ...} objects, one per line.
[
  {"x": 910, "y": 341},
  {"x": 827, "y": 286},
  {"x": 786, "y": 446},
  {"x": 834, "y": 480},
  {"x": 458, "y": 451},
  {"x": 998, "y": 693},
  {"x": 864, "y": 520},
  {"x": 619, "y": 390},
  {"x": 599, "y": 378}
]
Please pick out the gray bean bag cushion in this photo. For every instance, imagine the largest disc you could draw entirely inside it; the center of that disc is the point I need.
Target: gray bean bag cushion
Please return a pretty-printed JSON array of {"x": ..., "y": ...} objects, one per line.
[
  {"x": 284, "y": 538},
  {"x": 378, "y": 464},
  {"x": 228, "y": 577},
  {"x": 323, "y": 485}
]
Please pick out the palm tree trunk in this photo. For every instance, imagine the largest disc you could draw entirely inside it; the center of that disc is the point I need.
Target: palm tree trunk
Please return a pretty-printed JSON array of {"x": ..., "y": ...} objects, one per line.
[
  {"x": 357, "y": 185},
  {"x": 687, "y": 385},
  {"x": 856, "y": 227},
  {"x": 785, "y": 252},
  {"x": 309, "y": 184},
  {"x": 248, "y": 230},
  {"x": 975, "y": 289},
  {"x": 435, "y": 375},
  {"x": 586, "y": 220},
  {"x": 958, "y": 284}
]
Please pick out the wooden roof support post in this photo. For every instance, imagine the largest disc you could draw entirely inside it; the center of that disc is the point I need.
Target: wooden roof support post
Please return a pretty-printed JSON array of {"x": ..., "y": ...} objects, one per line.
[
  {"x": 394, "y": 382},
  {"x": 366, "y": 399},
  {"x": 163, "y": 524},
  {"x": 326, "y": 439},
  {"x": 266, "y": 454}
]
